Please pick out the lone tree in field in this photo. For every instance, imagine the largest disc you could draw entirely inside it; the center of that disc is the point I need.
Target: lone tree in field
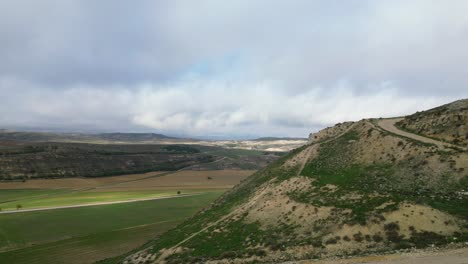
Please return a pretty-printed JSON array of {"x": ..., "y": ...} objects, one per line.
[
  {"x": 18, "y": 206},
  {"x": 178, "y": 192},
  {"x": 209, "y": 178}
]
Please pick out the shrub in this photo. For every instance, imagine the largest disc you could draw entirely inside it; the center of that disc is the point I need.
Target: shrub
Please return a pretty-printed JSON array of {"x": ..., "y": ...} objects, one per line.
[
  {"x": 423, "y": 239},
  {"x": 275, "y": 246},
  {"x": 394, "y": 236},
  {"x": 358, "y": 237},
  {"x": 260, "y": 253},
  {"x": 392, "y": 227},
  {"x": 377, "y": 238},
  {"x": 229, "y": 254}
]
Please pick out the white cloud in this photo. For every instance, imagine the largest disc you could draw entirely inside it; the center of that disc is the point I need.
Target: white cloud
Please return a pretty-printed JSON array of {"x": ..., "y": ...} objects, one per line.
[
  {"x": 211, "y": 67},
  {"x": 253, "y": 109}
]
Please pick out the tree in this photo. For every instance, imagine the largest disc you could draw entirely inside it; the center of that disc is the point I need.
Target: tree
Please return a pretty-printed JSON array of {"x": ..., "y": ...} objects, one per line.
[
  {"x": 18, "y": 206},
  {"x": 178, "y": 192}
]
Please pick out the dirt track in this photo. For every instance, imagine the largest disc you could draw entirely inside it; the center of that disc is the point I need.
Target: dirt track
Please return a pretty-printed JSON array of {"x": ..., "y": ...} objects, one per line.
[{"x": 389, "y": 125}]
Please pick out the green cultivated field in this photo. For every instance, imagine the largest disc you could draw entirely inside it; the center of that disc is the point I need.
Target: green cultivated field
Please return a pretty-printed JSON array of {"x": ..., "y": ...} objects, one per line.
[
  {"x": 12, "y": 195},
  {"x": 51, "y": 198},
  {"x": 87, "y": 234}
]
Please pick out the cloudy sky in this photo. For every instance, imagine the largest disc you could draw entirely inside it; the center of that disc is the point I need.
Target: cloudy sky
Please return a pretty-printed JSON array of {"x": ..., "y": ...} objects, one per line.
[{"x": 226, "y": 68}]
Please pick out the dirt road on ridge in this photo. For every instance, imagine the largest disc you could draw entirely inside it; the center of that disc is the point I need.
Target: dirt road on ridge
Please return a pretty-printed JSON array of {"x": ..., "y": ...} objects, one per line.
[{"x": 389, "y": 125}]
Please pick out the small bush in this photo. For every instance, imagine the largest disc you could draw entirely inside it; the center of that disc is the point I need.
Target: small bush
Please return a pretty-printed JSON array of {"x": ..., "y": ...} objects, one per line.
[
  {"x": 368, "y": 238},
  {"x": 228, "y": 254},
  {"x": 275, "y": 246},
  {"x": 260, "y": 253},
  {"x": 358, "y": 237},
  {"x": 394, "y": 236},
  {"x": 377, "y": 238},
  {"x": 392, "y": 227}
]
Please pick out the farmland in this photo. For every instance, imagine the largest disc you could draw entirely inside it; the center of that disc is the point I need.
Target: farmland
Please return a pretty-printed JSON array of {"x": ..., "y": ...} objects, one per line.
[
  {"x": 107, "y": 229},
  {"x": 95, "y": 232}
]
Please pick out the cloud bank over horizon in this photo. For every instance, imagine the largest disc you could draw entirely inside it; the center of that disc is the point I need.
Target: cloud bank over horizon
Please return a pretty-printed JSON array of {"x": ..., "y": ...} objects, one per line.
[{"x": 240, "y": 68}]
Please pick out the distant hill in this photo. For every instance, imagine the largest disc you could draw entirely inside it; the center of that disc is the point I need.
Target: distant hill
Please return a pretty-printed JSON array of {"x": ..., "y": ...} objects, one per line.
[
  {"x": 83, "y": 138},
  {"x": 277, "y": 138},
  {"x": 356, "y": 188},
  {"x": 133, "y": 137},
  {"x": 29, "y": 160}
]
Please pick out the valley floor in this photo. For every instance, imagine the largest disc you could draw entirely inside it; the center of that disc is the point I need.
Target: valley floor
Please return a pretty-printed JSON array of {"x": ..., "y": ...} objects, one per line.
[{"x": 83, "y": 220}]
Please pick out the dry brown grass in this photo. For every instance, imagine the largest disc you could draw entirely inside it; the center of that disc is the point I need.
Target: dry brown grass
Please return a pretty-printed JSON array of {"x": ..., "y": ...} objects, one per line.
[
  {"x": 74, "y": 183},
  {"x": 188, "y": 179},
  {"x": 218, "y": 179}
]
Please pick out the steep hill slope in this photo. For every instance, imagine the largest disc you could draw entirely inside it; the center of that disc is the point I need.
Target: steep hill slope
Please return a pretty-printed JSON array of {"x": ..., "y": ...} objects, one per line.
[{"x": 355, "y": 188}]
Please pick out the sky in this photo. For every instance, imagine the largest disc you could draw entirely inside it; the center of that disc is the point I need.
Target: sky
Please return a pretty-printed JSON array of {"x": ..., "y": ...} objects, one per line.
[{"x": 242, "y": 68}]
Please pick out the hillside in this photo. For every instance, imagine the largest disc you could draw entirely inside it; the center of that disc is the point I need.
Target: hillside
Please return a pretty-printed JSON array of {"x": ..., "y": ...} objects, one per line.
[
  {"x": 24, "y": 160},
  {"x": 448, "y": 123},
  {"x": 356, "y": 188}
]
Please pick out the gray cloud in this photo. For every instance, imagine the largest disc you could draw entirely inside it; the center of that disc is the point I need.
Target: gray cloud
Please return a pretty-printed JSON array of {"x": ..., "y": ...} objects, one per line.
[{"x": 231, "y": 68}]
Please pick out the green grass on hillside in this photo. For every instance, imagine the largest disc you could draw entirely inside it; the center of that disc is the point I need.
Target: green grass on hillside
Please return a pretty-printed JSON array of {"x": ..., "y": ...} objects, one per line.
[
  {"x": 62, "y": 236},
  {"x": 334, "y": 165}
]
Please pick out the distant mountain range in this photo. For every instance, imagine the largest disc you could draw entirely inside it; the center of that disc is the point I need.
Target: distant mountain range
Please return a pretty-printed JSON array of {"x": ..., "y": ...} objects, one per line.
[{"x": 84, "y": 138}]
